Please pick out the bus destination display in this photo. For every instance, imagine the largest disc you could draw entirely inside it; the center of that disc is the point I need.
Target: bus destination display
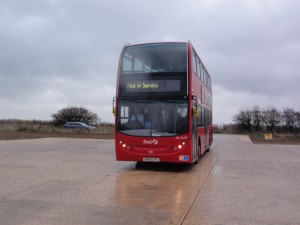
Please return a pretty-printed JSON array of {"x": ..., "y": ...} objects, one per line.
[{"x": 153, "y": 86}]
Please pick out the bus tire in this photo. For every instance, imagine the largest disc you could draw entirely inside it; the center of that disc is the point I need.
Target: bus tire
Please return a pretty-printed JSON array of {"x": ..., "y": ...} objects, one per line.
[{"x": 210, "y": 141}]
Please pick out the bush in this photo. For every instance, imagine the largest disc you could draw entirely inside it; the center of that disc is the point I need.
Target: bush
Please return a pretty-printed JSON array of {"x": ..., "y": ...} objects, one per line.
[{"x": 74, "y": 114}]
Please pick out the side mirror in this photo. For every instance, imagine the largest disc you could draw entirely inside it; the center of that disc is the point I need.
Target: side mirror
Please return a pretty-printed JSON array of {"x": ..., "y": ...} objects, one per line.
[
  {"x": 114, "y": 106},
  {"x": 195, "y": 112}
]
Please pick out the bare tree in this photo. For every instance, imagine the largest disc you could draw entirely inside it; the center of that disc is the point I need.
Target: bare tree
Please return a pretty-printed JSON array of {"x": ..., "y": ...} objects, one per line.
[
  {"x": 289, "y": 117},
  {"x": 243, "y": 119},
  {"x": 297, "y": 122},
  {"x": 256, "y": 115},
  {"x": 271, "y": 117}
]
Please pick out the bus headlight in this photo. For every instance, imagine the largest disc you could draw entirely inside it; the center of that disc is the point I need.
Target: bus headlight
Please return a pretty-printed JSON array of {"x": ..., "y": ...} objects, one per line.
[
  {"x": 179, "y": 146},
  {"x": 124, "y": 145}
]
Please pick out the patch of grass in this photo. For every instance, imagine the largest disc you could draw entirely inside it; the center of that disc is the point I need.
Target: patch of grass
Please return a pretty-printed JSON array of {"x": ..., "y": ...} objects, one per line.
[
  {"x": 24, "y": 129},
  {"x": 259, "y": 138}
]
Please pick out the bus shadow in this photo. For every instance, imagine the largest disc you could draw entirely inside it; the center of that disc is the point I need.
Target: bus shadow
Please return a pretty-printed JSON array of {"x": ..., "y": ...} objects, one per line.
[{"x": 163, "y": 167}]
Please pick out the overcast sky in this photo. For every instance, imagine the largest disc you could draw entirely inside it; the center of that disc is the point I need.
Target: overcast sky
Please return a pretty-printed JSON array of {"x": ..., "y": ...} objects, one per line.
[{"x": 59, "y": 53}]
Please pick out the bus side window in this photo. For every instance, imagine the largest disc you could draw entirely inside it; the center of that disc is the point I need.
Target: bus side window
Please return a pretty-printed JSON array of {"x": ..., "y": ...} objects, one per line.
[
  {"x": 199, "y": 68},
  {"x": 194, "y": 63},
  {"x": 207, "y": 121},
  {"x": 202, "y": 74},
  {"x": 203, "y": 117},
  {"x": 205, "y": 76},
  {"x": 199, "y": 117}
]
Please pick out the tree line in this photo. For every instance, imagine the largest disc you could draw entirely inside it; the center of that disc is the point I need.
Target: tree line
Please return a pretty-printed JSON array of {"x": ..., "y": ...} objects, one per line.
[
  {"x": 66, "y": 114},
  {"x": 268, "y": 119}
]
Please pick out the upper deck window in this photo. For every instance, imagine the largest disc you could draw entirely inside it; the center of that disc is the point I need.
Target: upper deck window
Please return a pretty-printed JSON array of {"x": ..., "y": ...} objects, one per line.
[{"x": 154, "y": 58}]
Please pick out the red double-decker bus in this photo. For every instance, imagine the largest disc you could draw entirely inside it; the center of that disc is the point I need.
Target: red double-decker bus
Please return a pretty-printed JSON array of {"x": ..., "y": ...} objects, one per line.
[{"x": 163, "y": 104}]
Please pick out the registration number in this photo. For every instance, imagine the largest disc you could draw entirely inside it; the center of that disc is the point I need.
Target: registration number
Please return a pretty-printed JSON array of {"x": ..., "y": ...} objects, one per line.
[{"x": 150, "y": 159}]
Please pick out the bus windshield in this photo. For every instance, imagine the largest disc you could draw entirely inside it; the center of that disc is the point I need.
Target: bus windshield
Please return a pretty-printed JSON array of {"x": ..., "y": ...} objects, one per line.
[
  {"x": 154, "y": 58},
  {"x": 152, "y": 117}
]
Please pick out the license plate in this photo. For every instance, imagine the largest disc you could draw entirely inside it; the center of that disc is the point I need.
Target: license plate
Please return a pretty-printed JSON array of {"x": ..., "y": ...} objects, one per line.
[{"x": 148, "y": 159}]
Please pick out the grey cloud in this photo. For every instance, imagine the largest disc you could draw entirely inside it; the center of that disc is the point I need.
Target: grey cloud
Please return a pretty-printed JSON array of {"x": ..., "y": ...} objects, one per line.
[{"x": 67, "y": 51}]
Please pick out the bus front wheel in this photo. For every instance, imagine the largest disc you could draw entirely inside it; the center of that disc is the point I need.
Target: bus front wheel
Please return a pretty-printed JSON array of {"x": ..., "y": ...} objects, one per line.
[{"x": 210, "y": 142}]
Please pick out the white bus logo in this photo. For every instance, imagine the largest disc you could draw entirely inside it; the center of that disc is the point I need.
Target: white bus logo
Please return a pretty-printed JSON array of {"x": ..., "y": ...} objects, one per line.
[{"x": 150, "y": 142}]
